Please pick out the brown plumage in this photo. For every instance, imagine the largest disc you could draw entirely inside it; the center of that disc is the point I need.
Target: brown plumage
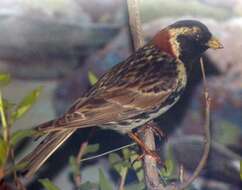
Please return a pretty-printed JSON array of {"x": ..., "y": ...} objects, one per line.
[{"x": 137, "y": 90}]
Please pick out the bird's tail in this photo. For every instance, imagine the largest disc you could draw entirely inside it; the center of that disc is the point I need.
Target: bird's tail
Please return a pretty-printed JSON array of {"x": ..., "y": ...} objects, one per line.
[{"x": 44, "y": 150}]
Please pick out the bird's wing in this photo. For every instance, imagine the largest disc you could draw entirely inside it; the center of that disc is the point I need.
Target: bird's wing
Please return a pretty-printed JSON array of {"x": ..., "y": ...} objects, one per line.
[
  {"x": 131, "y": 88},
  {"x": 111, "y": 106}
]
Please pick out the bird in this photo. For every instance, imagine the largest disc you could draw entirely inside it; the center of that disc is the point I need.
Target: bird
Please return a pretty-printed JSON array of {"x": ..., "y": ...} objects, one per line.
[{"x": 132, "y": 93}]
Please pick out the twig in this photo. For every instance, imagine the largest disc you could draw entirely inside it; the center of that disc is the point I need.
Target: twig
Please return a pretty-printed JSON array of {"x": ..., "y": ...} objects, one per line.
[
  {"x": 181, "y": 174},
  {"x": 135, "y": 24},
  {"x": 152, "y": 177},
  {"x": 77, "y": 175},
  {"x": 123, "y": 178},
  {"x": 150, "y": 165},
  {"x": 107, "y": 152},
  {"x": 207, "y": 135}
]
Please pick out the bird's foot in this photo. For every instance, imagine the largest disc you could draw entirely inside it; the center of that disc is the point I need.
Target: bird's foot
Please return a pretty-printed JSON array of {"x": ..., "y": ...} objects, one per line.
[
  {"x": 155, "y": 129},
  {"x": 145, "y": 149}
]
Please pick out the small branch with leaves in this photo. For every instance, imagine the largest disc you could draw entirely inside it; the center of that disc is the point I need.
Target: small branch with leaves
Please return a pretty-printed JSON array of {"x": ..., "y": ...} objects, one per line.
[{"x": 9, "y": 114}]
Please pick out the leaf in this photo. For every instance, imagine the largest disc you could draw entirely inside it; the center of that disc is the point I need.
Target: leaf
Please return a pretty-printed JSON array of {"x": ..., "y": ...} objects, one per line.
[
  {"x": 104, "y": 184},
  {"x": 169, "y": 163},
  {"x": 27, "y": 102},
  {"x": 169, "y": 168},
  {"x": 92, "y": 78},
  {"x": 17, "y": 136},
  {"x": 136, "y": 186},
  {"x": 137, "y": 164},
  {"x": 8, "y": 105},
  {"x": 48, "y": 185},
  {"x": 119, "y": 165},
  {"x": 2, "y": 112},
  {"x": 4, "y": 79},
  {"x": 91, "y": 148},
  {"x": 124, "y": 172},
  {"x": 126, "y": 153},
  {"x": 74, "y": 166},
  {"x": 140, "y": 174},
  {"x": 88, "y": 186},
  {"x": 3, "y": 152},
  {"x": 114, "y": 158}
]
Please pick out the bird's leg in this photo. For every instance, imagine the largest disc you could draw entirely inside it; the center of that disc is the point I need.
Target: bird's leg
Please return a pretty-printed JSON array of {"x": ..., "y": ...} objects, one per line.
[
  {"x": 146, "y": 150},
  {"x": 156, "y": 130}
]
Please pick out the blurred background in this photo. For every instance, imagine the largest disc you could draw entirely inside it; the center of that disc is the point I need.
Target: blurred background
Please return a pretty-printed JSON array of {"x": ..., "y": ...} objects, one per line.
[{"x": 55, "y": 43}]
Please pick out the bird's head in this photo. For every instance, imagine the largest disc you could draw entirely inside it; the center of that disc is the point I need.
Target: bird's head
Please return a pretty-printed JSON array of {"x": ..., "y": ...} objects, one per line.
[{"x": 186, "y": 40}]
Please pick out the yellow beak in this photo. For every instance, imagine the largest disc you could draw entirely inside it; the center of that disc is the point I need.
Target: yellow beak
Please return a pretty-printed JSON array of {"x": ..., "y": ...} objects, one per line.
[{"x": 214, "y": 43}]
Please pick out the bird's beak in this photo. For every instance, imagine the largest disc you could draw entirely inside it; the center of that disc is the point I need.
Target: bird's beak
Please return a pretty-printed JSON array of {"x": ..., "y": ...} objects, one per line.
[{"x": 214, "y": 43}]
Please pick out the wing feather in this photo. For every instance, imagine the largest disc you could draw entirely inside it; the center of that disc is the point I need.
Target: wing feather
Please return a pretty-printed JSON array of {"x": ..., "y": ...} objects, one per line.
[{"x": 133, "y": 87}]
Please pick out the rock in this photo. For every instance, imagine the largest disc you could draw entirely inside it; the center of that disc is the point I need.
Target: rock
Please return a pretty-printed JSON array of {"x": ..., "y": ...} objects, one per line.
[{"x": 222, "y": 165}]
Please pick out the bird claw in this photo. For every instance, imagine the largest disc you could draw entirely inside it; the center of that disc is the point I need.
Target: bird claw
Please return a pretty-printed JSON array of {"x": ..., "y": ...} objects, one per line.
[
  {"x": 155, "y": 129},
  {"x": 146, "y": 150}
]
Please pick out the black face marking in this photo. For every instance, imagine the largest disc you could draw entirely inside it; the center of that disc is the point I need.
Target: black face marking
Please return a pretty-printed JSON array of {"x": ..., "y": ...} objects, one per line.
[
  {"x": 192, "y": 44},
  {"x": 191, "y": 48}
]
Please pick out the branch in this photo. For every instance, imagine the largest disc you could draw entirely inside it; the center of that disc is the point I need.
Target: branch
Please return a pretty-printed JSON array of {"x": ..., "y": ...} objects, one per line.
[
  {"x": 150, "y": 166},
  {"x": 77, "y": 175},
  {"x": 135, "y": 24}
]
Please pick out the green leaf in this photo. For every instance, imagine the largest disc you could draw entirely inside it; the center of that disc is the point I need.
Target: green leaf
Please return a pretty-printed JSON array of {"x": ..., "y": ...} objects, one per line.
[
  {"x": 169, "y": 168},
  {"x": 136, "y": 186},
  {"x": 137, "y": 164},
  {"x": 2, "y": 112},
  {"x": 91, "y": 148},
  {"x": 8, "y": 105},
  {"x": 140, "y": 174},
  {"x": 17, "y": 136},
  {"x": 124, "y": 172},
  {"x": 4, "y": 79},
  {"x": 170, "y": 164},
  {"x": 3, "y": 152},
  {"x": 48, "y": 185},
  {"x": 104, "y": 184},
  {"x": 27, "y": 102},
  {"x": 74, "y": 166},
  {"x": 119, "y": 165},
  {"x": 92, "y": 78},
  {"x": 114, "y": 158},
  {"x": 126, "y": 153},
  {"x": 88, "y": 186}
]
